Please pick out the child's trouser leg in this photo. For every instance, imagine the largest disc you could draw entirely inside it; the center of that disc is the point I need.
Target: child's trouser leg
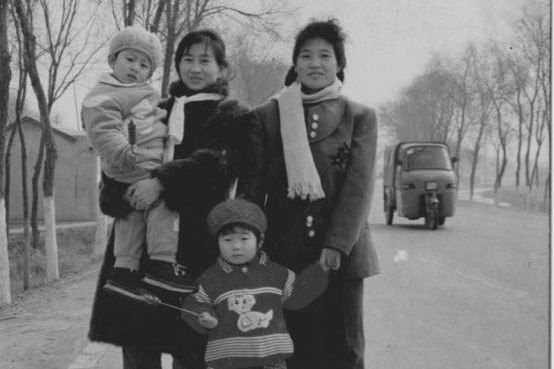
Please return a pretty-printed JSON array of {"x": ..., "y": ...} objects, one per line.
[
  {"x": 162, "y": 234},
  {"x": 129, "y": 240}
]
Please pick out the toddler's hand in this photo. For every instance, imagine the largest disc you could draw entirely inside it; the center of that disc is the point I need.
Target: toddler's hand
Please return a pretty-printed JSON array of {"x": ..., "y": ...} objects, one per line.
[{"x": 207, "y": 321}]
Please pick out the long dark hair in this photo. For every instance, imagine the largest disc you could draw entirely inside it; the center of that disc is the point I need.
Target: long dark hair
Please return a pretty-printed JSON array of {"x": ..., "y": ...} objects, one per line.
[{"x": 331, "y": 32}]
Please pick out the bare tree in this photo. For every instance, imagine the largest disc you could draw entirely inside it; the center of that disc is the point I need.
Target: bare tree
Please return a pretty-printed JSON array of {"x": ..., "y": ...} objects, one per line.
[
  {"x": 518, "y": 75},
  {"x": 183, "y": 16},
  {"x": 17, "y": 129},
  {"x": 69, "y": 50},
  {"x": 481, "y": 74},
  {"x": 258, "y": 75},
  {"x": 463, "y": 94},
  {"x": 5, "y": 78},
  {"x": 51, "y": 246},
  {"x": 425, "y": 110},
  {"x": 533, "y": 46}
]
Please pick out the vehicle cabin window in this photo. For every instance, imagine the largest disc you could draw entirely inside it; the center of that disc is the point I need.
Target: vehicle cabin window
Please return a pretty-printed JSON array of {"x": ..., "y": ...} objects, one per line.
[{"x": 428, "y": 157}]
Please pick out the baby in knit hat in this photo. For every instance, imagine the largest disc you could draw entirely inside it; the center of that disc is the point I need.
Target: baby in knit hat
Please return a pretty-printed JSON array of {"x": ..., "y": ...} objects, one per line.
[
  {"x": 240, "y": 299},
  {"x": 126, "y": 127}
]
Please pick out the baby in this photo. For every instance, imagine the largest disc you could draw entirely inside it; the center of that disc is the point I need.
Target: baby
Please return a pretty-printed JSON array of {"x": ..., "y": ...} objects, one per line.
[{"x": 126, "y": 127}]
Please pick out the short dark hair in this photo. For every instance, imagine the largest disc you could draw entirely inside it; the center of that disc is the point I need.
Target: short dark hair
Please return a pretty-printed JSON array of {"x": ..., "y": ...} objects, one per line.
[
  {"x": 204, "y": 36},
  {"x": 232, "y": 227},
  {"x": 330, "y": 31}
]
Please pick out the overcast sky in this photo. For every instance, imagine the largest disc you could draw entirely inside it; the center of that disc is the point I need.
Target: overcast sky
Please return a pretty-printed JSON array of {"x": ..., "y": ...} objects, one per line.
[{"x": 390, "y": 41}]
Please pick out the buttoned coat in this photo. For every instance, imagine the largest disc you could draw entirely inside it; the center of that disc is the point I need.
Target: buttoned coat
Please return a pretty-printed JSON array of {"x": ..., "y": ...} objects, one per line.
[{"x": 342, "y": 136}]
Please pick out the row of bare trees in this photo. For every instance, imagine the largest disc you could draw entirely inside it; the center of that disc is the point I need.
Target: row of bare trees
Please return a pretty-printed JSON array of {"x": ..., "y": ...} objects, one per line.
[
  {"x": 51, "y": 44},
  {"x": 497, "y": 93}
]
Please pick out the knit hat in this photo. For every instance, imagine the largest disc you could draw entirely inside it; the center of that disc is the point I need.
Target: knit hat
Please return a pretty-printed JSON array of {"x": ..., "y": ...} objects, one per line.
[
  {"x": 236, "y": 211},
  {"x": 137, "y": 38}
]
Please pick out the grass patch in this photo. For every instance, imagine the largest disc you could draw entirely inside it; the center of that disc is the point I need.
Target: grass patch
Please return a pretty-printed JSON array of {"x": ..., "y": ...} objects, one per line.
[
  {"x": 74, "y": 255},
  {"x": 521, "y": 198}
]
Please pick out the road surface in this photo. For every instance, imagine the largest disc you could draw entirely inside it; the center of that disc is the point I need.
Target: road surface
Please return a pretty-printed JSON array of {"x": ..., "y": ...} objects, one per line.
[{"x": 472, "y": 294}]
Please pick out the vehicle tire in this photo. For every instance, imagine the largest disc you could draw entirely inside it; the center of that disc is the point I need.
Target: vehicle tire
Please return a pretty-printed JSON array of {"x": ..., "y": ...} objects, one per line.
[
  {"x": 389, "y": 211},
  {"x": 389, "y": 214},
  {"x": 432, "y": 218},
  {"x": 441, "y": 220}
]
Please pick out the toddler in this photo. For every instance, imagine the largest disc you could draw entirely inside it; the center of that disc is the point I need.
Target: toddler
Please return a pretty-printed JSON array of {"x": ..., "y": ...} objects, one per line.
[
  {"x": 241, "y": 297},
  {"x": 128, "y": 130}
]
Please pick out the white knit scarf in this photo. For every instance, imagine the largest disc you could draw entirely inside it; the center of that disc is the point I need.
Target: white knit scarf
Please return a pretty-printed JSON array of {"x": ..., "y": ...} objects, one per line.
[
  {"x": 176, "y": 121},
  {"x": 303, "y": 178}
]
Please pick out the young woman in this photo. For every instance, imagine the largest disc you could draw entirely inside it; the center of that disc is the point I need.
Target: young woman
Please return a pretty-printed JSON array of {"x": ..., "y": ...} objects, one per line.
[
  {"x": 216, "y": 151},
  {"x": 319, "y": 182}
]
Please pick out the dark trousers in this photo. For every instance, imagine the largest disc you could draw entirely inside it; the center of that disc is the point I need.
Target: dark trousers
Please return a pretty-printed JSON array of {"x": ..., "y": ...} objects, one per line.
[
  {"x": 144, "y": 357},
  {"x": 329, "y": 333}
]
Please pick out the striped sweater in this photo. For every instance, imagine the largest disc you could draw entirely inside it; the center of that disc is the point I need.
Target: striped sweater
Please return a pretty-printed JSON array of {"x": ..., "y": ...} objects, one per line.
[{"x": 248, "y": 301}]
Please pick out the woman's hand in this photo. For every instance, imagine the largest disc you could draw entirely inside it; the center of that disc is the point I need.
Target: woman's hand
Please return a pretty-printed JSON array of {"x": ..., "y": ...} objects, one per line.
[
  {"x": 143, "y": 193},
  {"x": 330, "y": 259},
  {"x": 207, "y": 321}
]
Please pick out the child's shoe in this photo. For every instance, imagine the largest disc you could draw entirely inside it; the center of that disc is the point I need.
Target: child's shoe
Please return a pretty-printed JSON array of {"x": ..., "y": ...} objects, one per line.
[
  {"x": 126, "y": 282},
  {"x": 169, "y": 276}
]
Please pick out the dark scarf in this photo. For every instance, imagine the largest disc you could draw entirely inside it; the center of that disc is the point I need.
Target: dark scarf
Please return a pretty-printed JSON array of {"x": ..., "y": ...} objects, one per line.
[{"x": 178, "y": 89}]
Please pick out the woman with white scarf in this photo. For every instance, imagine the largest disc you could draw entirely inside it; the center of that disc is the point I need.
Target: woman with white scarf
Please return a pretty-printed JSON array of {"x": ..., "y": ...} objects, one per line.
[
  {"x": 215, "y": 150},
  {"x": 320, "y": 163}
]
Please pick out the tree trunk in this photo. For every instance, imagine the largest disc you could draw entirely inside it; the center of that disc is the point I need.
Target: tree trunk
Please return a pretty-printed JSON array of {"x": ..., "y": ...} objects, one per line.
[
  {"x": 8, "y": 177},
  {"x": 36, "y": 195},
  {"x": 497, "y": 171},
  {"x": 5, "y": 78},
  {"x": 5, "y": 289},
  {"x": 474, "y": 161},
  {"x": 528, "y": 148},
  {"x": 519, "y": 140},
  {"x": 129, "y": 12},
  {"x": 50, "y": 146},
  {"x": 48, "y": 181},
  {"x": 172, "y": 12},
  {"x": 26, "y": 221},
  {"x": 50, "y": 242}
]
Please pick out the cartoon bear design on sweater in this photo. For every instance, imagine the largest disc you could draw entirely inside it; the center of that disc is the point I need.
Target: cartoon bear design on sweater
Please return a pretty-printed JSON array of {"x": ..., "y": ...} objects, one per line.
[{"x": 248, "y": 320}]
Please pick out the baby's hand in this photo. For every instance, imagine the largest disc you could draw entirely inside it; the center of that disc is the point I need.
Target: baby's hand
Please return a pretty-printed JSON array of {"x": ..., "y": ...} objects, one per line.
[{"x": 207, "y": 321}]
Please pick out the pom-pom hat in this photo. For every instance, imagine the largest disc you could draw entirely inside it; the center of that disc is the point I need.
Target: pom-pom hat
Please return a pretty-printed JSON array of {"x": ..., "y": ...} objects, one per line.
[
  {"x": 236, "y": 211},
  {"x": 137, "y": 38}
]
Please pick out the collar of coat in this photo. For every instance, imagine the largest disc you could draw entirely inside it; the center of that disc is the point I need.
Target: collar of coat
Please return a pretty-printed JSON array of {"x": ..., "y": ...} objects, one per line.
[
  {"x": 329, "y": 115},
  {"x": 260, "y": 259}
]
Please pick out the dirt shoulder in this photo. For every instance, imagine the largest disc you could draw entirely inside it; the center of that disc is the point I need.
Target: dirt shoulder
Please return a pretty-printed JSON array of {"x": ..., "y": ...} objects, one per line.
[{"x": 46, "y": 327}]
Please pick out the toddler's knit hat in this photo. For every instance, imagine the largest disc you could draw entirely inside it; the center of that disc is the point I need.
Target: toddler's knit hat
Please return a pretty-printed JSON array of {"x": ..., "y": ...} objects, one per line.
[
  {"x": 236, "y": 211},
  {"x": 137, "y": 38}
]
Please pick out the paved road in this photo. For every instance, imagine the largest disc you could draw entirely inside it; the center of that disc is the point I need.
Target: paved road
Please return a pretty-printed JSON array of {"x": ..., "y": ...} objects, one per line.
[{"x": 473, "y": 294}]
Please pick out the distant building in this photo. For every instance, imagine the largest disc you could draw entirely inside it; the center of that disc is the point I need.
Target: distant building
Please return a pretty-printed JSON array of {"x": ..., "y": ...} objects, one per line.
[{"x": 76, "y": 188}]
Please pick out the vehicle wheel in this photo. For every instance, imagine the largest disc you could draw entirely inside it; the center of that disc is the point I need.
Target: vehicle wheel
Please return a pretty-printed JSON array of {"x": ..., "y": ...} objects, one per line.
[
  {"x": 441, "y": 220},
  {"x": 389, "y": 212},
  {"x": 431, "y": 218}
]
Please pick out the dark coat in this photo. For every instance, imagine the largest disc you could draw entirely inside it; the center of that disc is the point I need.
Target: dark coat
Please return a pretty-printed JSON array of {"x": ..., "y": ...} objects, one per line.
[
  {"x": 221, "y": 142},
  {"x": 343, "y": 146}
]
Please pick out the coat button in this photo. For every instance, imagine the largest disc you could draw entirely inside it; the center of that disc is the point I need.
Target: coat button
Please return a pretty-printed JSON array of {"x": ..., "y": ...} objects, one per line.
[
  {"x": 315, "y": 125},
  {"x": 311, "y": 233},
  {"x": 313, "y": 134},
  {"x": 315, "y": 117}
]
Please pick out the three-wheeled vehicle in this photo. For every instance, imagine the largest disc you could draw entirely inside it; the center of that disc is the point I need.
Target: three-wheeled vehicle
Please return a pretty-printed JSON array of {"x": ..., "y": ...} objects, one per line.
[{"x": 419, "y": 181}]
